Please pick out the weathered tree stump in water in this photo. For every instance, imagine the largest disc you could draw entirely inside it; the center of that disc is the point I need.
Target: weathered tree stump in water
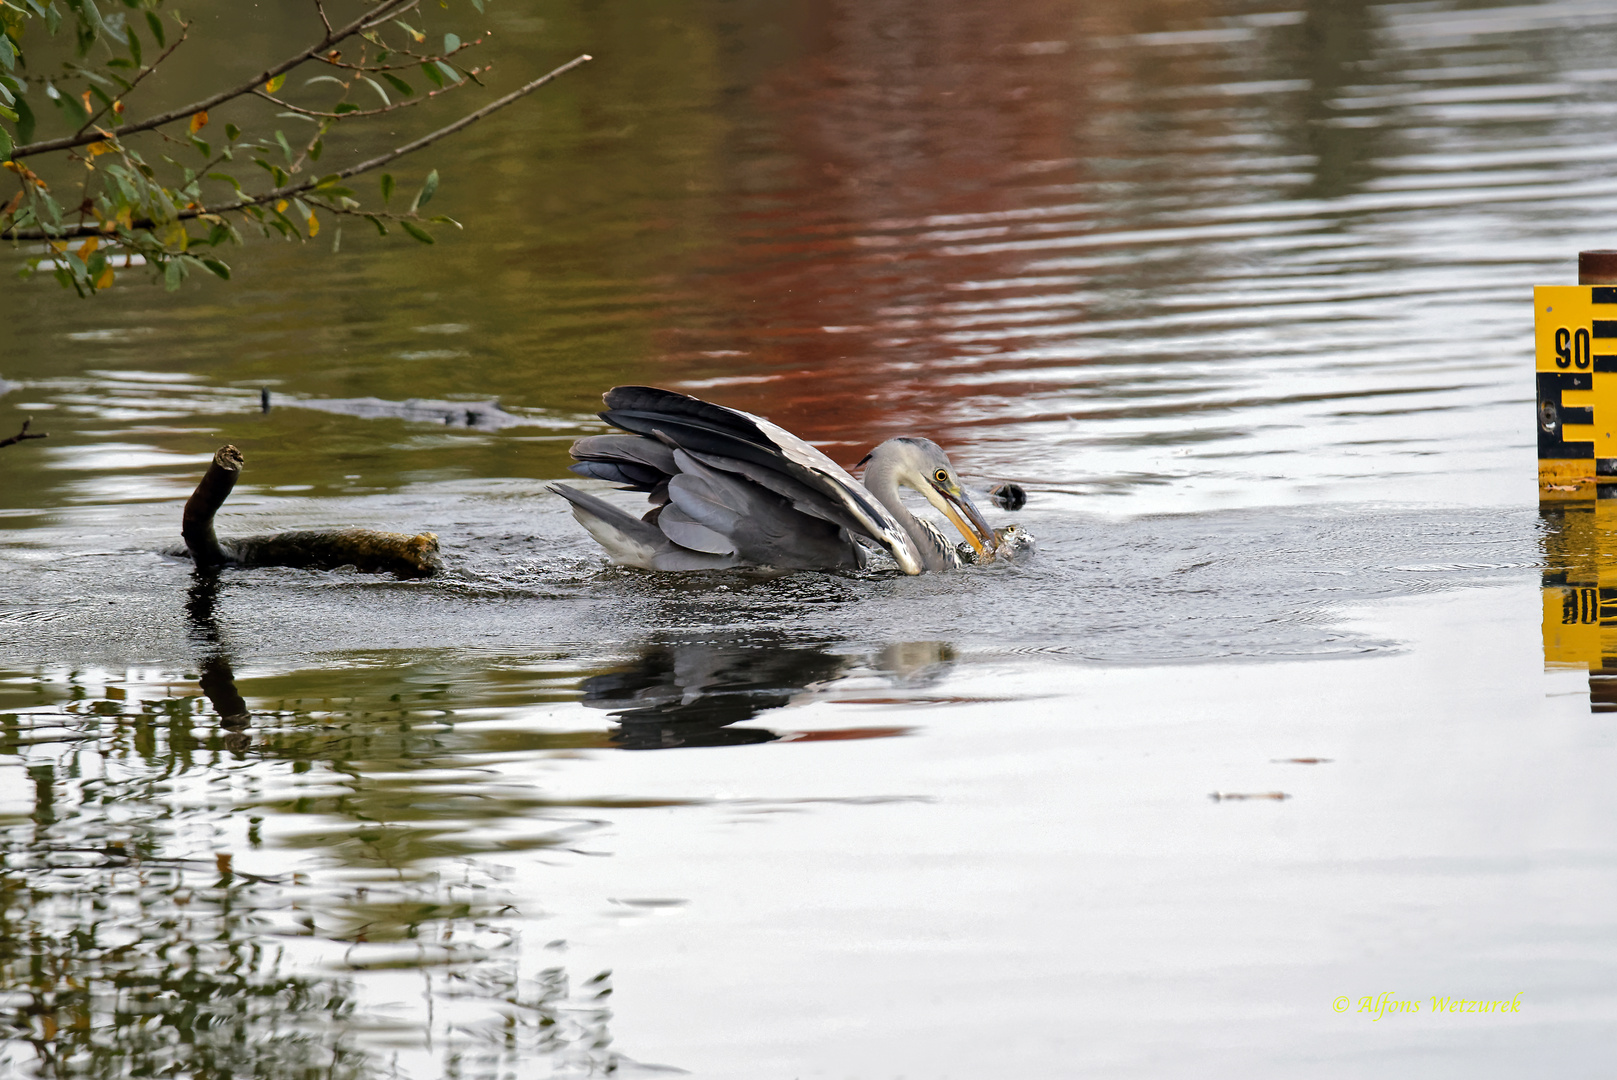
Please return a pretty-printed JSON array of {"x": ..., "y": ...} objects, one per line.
[{"x": 364, "y": 549}]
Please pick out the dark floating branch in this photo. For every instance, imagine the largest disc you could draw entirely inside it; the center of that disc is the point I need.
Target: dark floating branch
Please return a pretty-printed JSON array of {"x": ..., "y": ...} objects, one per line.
[
  {"x": 1008, "y": 495},
  {"x": 25, "y": 434},
  {"x": 366, "y": 550}
]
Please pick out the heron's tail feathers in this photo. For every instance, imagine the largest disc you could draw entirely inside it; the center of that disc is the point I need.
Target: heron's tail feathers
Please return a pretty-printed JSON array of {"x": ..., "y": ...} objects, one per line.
[{"x": 633, "y": 542}]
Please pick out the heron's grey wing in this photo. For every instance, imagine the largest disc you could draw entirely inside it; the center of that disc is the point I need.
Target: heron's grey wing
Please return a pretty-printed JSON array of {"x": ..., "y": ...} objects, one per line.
[
  {"x": 801, "y": 496},
  {"x": 636, "y": 462},
  {"x": 706, "y": 428},
  {"x": 710, "y": 508},
  {"x": 634, "y": 542}
]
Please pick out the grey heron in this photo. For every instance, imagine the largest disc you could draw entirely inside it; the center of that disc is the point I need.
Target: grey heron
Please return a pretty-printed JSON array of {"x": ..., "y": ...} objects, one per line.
[{"x": 732, "y": 489}]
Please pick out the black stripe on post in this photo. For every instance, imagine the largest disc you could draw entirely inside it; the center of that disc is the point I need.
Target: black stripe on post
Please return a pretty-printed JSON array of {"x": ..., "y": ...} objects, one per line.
[
  {"x": 1605, "y": 328},
  {"x": 1551, "y": 384},
  {"x": 1603, "y": 294},
  {"x": 1605, "y": 363}
]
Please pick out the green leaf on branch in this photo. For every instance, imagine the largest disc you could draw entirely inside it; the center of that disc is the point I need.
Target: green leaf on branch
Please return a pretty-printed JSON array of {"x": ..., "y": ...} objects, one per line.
[
  {"x": 113, "y": 30},
  {"x": 345, "y": 107},
  {"x": 173, "y": 274},
  {"x": 202, "y": 147},
  {"x": 5, "y": 145},
  {"x": 412, "y": 31},
  {"x": 378, "y": 88},
  {"x": 451, "y": 43},
  {"x": 388, "y": 184},
  {"x": 275, "y": 171},
  {"x": 220, "y": 269},
  {"x": 134, "y": 46},
  {"x": 25, "y": 121},
  {"x": 232, "y": 132},
  {"x": 274, "y": 84},
  {"x": 428, "y": 189},
  {"x": 153, "y": 23},
  {"x": 433, "y": 75},
  {"x": 449, "y": 72},
  {"x": 381, "y": 230},
  {"x": 286, "y": 147},
  {"x": 398, "y": 84},
  {"x": 417, "y": 231}
]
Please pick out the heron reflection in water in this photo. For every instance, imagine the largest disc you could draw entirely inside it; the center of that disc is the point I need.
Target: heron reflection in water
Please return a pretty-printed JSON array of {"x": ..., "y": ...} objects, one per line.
[
  {"x": 732, "y": 489},
  {"x": 695, "y": 693}
]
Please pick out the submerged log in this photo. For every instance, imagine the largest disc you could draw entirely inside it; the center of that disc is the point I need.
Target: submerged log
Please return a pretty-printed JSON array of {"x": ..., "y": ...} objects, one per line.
[{"x": 367, "y": 550}]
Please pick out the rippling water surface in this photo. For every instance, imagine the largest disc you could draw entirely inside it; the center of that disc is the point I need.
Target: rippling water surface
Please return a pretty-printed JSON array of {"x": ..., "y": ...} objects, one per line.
[{"x": 1238, "y": 292}]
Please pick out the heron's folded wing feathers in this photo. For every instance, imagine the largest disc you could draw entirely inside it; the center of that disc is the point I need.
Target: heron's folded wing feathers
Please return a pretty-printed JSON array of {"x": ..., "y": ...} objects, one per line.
[
  {"x": 634, "y": 461},
  {"x": 761, "y": 526},
  {"x": 705, "y": 428},
  {"x": 802, "y": 497},
  {"x": 686, "y": 531}
]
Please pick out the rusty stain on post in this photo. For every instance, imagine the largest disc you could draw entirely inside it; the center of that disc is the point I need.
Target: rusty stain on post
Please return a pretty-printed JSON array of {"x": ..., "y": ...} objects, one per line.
[{"x": 1597, "y": 267}]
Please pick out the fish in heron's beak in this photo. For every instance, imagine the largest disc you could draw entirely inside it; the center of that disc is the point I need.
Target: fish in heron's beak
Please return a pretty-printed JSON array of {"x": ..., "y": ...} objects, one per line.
[{"x": 979, "y": 534}]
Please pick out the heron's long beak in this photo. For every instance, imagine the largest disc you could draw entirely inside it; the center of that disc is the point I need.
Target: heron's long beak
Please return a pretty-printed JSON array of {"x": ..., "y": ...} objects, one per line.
[{"x": 979, "y": 534}]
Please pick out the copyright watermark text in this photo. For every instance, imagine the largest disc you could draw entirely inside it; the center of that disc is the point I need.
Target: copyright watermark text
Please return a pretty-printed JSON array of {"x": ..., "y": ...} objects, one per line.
[{"x": 1388, "y": 1003}]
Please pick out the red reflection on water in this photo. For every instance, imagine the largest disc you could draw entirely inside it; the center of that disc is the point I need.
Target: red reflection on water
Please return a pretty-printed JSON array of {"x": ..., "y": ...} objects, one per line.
[{"x": 912, "y": 128}]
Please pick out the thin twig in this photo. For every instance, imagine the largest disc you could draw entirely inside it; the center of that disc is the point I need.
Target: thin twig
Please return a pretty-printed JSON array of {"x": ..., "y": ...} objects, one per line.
[
  {"x": 357, "y": 114},
  {"x": 185, "y": 30},
  {"x": 290, "y": 190},
  {"x": 416, "y": 59},
  {"x": 25, "y": 434},
  {"x": 427, "y": 140},
  {"x": 321, "y": 8},
  {"x": 387, "y": 10}
]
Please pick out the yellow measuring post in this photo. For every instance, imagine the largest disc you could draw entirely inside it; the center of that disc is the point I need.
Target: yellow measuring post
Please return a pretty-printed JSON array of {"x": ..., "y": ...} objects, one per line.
[
  {"x": 1575, "y": 353},
  {"x": 1575, "y": 336},
  {"x": 1575, "y": 345}
]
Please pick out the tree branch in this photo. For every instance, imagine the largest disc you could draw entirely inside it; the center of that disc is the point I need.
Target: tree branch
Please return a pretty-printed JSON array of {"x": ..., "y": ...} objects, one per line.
[
  {"x": 25, "y": 434},
  {"x": 287, "y": 192},
  {"x": 386, "y": 10}
]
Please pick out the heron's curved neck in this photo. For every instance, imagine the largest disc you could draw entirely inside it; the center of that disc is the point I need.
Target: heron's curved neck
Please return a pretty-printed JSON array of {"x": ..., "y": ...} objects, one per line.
[{"x": 882, "y": 481}]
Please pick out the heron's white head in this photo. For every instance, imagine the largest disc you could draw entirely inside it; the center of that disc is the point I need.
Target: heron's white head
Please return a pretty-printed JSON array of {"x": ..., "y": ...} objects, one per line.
[{"x": 921, "y": 465}]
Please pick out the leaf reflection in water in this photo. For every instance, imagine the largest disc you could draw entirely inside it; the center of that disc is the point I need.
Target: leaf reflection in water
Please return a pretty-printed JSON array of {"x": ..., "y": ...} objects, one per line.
[
  {"x": 148, "y": 929},
  {"x": 268, "y": 878}
]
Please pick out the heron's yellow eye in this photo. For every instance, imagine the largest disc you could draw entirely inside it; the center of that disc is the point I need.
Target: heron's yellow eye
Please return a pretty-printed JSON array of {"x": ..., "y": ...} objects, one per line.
[{"x": 941, "y": 476}]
